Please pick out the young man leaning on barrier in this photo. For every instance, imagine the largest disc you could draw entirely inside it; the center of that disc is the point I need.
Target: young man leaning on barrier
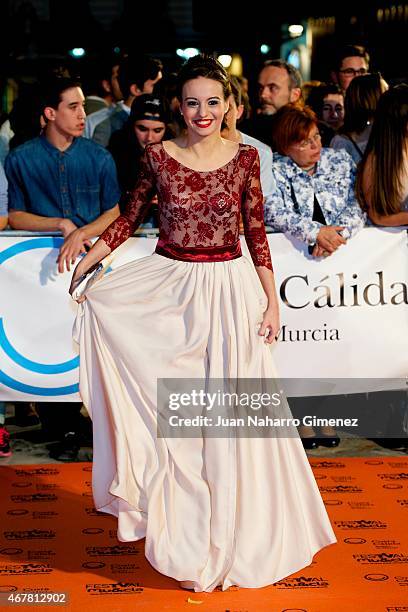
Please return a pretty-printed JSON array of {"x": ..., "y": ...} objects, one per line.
[{"x": 62, "y": 182}]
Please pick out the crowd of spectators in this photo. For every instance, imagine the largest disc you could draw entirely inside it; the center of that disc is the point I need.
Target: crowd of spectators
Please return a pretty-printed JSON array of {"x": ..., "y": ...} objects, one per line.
[{"x": 68, "y": 150}]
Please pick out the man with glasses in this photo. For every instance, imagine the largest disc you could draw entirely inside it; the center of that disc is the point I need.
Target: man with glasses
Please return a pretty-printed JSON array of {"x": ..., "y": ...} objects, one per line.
[{"x": 352, "y": 61}]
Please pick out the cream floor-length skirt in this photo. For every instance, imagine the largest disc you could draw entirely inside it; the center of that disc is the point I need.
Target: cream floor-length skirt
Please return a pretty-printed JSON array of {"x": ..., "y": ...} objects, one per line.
[{"x": 214, "y": 511}]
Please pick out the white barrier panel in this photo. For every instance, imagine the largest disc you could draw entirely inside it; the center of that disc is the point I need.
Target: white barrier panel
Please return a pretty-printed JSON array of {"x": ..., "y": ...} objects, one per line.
[{"x": 344, "y": 317}]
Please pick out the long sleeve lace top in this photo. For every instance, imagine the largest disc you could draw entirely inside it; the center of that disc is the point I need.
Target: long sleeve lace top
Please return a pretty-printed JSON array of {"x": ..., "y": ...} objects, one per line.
[{"x": 199, "y": 212}]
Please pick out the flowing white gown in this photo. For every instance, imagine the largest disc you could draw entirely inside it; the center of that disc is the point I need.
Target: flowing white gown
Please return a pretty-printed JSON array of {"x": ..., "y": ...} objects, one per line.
[{"x": 224, "y": 511}]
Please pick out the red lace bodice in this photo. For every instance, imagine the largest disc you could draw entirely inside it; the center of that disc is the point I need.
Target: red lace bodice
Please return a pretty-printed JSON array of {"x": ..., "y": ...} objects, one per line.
[{"x": 198, "y": 211}]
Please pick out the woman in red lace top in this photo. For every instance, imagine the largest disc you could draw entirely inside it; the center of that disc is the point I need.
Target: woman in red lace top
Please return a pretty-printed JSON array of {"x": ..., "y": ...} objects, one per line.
[
  {"x": 203, "y": 183},
  {"x": 216, "y": 509}
]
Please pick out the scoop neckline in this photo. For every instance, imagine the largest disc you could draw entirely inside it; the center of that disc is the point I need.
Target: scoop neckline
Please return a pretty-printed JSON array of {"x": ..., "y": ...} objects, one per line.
[{"x": 204, "y": 171}]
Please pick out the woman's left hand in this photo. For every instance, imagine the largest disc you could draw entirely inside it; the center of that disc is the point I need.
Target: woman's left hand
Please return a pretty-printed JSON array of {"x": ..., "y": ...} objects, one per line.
[{"x": 270, "y": 326}]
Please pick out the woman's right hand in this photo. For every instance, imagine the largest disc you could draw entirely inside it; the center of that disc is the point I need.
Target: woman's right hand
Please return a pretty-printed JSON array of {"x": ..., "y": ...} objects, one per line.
[
  {"x": 76, "y": 278},
  {"x": 98, "y": 252}
]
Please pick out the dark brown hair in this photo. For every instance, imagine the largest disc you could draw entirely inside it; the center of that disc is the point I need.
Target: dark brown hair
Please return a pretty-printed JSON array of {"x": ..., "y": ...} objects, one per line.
[
  {"x": 240, "y": 97},
  {"x": 136, "y": 71},
  {"x": 316, "y": 97},
  {"x": 360, "y": 102},
  {"x": 203, "y": 66},
  {"x": 351, "y": 51},
  {"x": 386, "y": 152},
  {"x": 51, "y": 93},
  {"x": 292, "y": 123}
]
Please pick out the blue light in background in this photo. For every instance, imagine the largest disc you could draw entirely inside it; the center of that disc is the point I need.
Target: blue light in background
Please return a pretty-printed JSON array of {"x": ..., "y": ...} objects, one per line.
[{"x": 77, "y": 52}]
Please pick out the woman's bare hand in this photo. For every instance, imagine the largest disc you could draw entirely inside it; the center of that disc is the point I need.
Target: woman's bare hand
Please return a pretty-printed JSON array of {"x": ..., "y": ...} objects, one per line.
[
  {"x": 270, "y": 326},
  {"x": 76, "y": 279}
]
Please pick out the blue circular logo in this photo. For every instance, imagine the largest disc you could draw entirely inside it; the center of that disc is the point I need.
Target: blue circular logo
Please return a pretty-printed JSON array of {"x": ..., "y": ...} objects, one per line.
[{"x": 18, "y": 358}]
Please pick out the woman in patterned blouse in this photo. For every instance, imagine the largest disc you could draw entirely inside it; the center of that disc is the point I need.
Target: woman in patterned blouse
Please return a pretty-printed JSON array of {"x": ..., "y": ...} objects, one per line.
[{"x": 314, "y": 201}]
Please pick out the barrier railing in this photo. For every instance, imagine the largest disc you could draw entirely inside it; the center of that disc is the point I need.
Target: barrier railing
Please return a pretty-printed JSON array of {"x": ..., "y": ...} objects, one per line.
[{"x": 344, "y": 317}]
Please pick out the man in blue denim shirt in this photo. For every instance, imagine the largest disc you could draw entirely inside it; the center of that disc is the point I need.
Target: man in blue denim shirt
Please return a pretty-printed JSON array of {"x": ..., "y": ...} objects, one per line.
[{"x": 59, "y": 181}]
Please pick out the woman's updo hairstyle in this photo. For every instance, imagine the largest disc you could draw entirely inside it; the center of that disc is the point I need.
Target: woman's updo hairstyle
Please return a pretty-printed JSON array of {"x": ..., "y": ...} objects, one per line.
[{"x": 203, "y": 66}]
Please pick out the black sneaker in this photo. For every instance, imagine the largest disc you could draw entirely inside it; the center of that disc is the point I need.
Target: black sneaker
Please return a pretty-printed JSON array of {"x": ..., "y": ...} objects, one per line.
[
  {"x": 67, "y": 449},
  {"x": 392, "y": 443}
]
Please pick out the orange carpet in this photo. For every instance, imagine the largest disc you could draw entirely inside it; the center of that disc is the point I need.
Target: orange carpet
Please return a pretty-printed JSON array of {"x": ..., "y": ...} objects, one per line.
[{"x": 53, "y": 541}]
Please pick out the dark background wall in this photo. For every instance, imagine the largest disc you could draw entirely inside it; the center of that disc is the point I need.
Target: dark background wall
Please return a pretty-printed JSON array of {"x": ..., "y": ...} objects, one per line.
[{"x": 51, "y": 27}]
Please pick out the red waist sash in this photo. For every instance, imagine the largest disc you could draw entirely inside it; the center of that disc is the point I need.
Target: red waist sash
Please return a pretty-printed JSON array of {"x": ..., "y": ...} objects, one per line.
[{"x": 199, "y": 254}]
